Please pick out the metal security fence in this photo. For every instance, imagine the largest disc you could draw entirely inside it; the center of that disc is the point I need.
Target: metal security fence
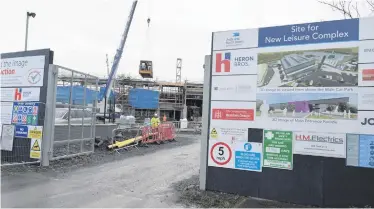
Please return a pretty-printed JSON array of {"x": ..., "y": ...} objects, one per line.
[
  {"x": 74, "y": 114},
  {"x": 21, "y": 146}
]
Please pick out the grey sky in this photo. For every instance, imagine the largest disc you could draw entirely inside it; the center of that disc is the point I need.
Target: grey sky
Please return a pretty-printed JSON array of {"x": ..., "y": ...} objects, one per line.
[{"x": 81, "y": 32}]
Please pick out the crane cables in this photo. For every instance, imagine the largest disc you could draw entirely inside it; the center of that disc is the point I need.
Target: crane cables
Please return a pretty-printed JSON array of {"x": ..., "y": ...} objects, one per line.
[{"x": 146, "y": 53}]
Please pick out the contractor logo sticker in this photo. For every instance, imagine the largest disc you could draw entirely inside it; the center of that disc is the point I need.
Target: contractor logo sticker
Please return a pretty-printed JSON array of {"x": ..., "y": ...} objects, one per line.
[{"x": 221, "y": 153}]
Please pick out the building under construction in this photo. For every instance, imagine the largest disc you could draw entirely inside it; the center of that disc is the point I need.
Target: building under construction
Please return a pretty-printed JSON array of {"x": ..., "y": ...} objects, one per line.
[{"x": 142, "y": 98}]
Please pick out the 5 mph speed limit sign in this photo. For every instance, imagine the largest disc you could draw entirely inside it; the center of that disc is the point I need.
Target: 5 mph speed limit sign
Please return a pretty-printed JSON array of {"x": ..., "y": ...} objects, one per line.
[{"x": 220, "y": 153}]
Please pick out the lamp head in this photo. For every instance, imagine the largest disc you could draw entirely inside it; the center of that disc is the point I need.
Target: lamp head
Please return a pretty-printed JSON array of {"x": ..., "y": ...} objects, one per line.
[{"x": 31, "y": 14}]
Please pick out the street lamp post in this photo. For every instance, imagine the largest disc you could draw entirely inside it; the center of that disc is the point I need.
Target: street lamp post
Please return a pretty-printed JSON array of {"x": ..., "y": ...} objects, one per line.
[{"x": 28, "y": 15}]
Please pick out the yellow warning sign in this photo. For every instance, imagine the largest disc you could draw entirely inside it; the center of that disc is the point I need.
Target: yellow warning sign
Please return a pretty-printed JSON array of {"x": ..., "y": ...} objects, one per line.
[
  {"x": 35, "y": 146},
  {"x": 213, "y": 133},
  {"x": 35, "y": 132}
]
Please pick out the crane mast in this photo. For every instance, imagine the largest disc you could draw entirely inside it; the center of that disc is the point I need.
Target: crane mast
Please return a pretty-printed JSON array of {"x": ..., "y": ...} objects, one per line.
[{"x": 118, "y": 55}]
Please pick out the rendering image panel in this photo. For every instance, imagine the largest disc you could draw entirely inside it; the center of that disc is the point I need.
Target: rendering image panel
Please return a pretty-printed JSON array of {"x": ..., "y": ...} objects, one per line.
[
  {"x": 308, "y": 105},
  {"x": 317, "y": 68}
]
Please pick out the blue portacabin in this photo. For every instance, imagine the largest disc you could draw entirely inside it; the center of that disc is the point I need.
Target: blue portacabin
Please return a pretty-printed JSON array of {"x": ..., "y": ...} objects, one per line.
[{"x": 25, "y": 113}]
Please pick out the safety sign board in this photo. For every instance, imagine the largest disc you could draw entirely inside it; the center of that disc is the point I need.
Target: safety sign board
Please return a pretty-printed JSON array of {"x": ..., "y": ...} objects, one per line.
[
  {"x": 229, "y": 133},
  {"x": 360, "y": 150},
  {"x": 220, "y": 154},
  {"x": 22, "y": 131},
  {"x": 35, "y": 132},
  {"x": 278, "y": 149},
  {"x": 7, "y": 137},
  {"x": 248, "y": 156},
  {"x": 213, "y": 133},
  {"x": 25, "y": 113},
  {"x": 35, "y": 148}
]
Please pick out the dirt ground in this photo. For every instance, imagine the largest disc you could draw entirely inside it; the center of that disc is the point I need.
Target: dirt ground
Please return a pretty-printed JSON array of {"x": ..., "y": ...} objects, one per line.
[{"x": 163, "y": 175}]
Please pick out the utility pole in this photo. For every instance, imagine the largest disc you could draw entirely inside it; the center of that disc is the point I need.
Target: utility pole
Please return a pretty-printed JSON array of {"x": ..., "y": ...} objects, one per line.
[{"x": 28, "y": 15}]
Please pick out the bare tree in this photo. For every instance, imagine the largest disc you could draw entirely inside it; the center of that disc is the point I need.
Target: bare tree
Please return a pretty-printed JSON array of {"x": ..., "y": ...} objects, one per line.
[{"x": 349, "y": 8}]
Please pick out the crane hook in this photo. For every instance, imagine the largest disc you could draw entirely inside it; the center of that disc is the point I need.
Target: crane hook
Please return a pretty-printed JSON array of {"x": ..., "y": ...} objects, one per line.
[{"x": 148, "y": 21}]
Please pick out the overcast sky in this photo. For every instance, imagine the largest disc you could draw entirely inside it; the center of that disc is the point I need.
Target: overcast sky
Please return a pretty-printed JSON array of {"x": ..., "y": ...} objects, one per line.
[{"x": 81, "y": 32}]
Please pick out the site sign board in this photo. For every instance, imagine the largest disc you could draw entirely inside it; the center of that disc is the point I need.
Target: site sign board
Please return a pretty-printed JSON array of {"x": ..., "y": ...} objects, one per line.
[
  {"x": 278, "y": 149},
  {"x": 22, "y": 71},
  {"x": 25, "y": 113},
  {"x": 312, "y": 82}
]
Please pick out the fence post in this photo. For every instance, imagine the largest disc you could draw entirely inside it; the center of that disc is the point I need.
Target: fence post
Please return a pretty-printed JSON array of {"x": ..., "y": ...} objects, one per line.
[
  {"x": 205, "y": 124},
  {"x": 49, "y": 122}
]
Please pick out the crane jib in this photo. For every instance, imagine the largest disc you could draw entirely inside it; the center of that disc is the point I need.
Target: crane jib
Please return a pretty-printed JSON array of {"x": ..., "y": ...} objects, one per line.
[{"x": 118, "y": 55}]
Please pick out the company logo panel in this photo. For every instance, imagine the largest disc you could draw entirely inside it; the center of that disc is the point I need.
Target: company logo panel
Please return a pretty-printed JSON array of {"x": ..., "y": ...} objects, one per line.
[
  {"x": 237, "y": 88},
  {"x": 366, "y": 98},
  {"x": 366, "y": 52},
  {"x": 232, "y": 114},
  {"x": 235, "y": 39},
  {"x": 320, "y": 144},
  {"x": 366, "y": 122},
  {"x": 235, "y": 62},
  {"x": 366, "y": 28},
  {"x": 366, "y": 75}
]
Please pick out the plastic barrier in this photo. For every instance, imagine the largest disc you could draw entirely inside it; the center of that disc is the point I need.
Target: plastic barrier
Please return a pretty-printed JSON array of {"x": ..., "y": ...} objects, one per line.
[{"x": 164, "y": 132}]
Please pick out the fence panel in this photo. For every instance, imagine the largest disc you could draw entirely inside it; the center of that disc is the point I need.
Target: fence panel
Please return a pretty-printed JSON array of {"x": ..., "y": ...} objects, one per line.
[{"x": 75, "y": 113}]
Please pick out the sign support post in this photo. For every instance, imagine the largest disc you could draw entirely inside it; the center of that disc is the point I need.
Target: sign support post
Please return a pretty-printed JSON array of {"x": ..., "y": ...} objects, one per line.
[{"x": 205, "y": 128}]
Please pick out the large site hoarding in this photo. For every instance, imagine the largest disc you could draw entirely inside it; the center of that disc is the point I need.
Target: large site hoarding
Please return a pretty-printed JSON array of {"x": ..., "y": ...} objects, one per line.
[
  {"x": 308, "y": 87},
  {"x": 23, "y": 83}
]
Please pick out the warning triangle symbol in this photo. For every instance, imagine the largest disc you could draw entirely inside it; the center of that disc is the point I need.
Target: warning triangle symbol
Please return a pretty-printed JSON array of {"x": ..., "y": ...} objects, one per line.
[
  {"x": 35, "y": 146},
  {"x": 214, "y": 131}
]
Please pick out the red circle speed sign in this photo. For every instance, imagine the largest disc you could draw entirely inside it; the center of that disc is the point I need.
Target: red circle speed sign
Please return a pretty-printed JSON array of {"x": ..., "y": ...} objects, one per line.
[{"x": 221, "y": 153}]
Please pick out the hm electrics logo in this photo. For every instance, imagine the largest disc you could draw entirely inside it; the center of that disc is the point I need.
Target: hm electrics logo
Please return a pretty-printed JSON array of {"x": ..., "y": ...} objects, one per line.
[
  {"x": 319, "y": 138},
  {"x": 225, "y": 60},
  {"x": 234, "y": 40}
]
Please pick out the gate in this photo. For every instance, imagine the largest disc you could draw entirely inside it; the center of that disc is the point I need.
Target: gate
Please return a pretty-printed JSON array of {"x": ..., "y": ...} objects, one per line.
[{"x": 74, "y": 114}]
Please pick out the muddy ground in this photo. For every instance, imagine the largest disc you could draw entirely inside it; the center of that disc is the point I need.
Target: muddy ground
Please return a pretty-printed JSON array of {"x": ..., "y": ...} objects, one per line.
[{"x": 163, "y": 175}]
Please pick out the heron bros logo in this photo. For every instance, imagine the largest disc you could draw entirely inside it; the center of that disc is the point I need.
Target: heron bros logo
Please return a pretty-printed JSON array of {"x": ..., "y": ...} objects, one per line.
[
  {"x": 319, "y": 138},
  {"x": 228, "y": 61},
  {"x": 368, "y": 75},
  {"x": 233, "y": 114}
]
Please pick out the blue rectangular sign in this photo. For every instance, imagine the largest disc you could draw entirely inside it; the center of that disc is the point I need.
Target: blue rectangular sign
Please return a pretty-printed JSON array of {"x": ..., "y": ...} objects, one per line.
[
  {"x": 310, "y": 33},
  {"x": 21, "y": 131},
  {"x": 366, "y": 151},
  {"x": 248, "y": 160},
  {"x": 25, "y": 113}
]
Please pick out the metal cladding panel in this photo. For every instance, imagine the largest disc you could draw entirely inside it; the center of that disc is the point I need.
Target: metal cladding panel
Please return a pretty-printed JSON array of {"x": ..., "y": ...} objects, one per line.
[{"x": 143, "y": 98}]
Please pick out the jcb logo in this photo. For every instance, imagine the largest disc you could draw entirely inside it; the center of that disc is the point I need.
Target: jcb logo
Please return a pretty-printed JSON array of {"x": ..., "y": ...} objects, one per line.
[{"x": 368, "y": 121}]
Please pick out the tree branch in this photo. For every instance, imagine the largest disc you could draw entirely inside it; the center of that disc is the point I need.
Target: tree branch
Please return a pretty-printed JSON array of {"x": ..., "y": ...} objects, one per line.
[
  {"x": 345, "y": 7},
  {"x": 371, "y": 4}
]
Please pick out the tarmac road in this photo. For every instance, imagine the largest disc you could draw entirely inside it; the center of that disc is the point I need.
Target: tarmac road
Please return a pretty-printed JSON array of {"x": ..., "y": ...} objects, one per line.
[{"x": 137, "y": 180}]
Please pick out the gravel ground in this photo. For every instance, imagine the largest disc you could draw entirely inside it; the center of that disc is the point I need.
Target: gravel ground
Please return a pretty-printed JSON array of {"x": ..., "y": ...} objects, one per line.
[
  {"x": 101, "y": 156},
  {"x": 192, "y": 196}
]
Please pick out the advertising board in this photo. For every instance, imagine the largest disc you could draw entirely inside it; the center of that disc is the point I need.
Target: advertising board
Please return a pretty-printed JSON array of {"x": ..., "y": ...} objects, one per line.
[
  {"x": 19, "y": 94},
  {"x": 320, "y": 144},
  {"x": 22, "y": 71},
  {"x": 309, "y": 80}
]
